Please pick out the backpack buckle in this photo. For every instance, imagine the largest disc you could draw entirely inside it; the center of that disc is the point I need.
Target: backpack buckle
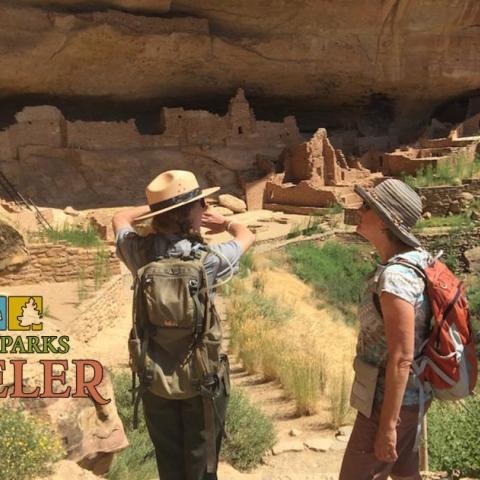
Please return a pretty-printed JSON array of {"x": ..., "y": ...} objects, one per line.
[
  {"x": 193, "y": 286},
  {"x": 147, "y": 377},
  {"x": 210, "y": 386}
]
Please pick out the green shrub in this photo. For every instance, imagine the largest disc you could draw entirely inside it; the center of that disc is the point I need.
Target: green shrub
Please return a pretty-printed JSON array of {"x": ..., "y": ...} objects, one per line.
[
  {"x": 450, "y": 173},
  {"x": 295, "y": 231},
  {"x": 28, "y": 446},
  {"x": 334, "y": 270},
  {"x": 458, "y": 221},
  {"x": 313, "y": 226},
  {"x": 250, "y": 433},
  {"x": 453, "y": 437},
  {"x": 335, "y": 208},
  {"x": 73, "y": 235}
]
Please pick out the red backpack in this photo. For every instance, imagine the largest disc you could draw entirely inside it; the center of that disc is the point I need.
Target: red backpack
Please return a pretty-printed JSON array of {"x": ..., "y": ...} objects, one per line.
[{"x": 448, "y": 360}]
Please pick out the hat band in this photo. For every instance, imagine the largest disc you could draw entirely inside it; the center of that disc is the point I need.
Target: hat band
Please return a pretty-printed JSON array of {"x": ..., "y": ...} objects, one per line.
[{"x": 182, "y": 198}]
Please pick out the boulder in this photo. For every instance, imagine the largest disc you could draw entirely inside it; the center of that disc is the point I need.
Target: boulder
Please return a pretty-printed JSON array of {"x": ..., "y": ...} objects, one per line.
[
  {"x": 473, "y": 259},
  {"x": 235, "y": 204},
  {"x": 13, "y": 251},
  {"x": 475, "y": 215},
  {"x": 288, "y": 446},
  {"x": 92, "y": 433},
  {"x": 222, "y": 211},
  {"x": 466, "y": 197},
  {"x": 71, "y": 211},
  {"x": 226, "y": 471},
  {"x": 319, "y": 444},
  {"x": 68, "y": 469}
]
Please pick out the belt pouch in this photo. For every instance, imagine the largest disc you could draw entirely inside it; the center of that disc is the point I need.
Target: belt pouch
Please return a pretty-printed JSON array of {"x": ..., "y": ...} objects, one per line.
[{"x": 364, "y": 385}]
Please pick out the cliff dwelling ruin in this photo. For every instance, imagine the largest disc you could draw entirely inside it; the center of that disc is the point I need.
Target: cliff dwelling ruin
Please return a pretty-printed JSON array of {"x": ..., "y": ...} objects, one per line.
[{"x": 336, "y": 100}]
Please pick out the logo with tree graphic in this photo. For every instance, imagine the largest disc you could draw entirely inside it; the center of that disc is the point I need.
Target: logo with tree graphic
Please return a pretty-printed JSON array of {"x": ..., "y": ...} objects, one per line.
[{"x": 25, "y": 313}]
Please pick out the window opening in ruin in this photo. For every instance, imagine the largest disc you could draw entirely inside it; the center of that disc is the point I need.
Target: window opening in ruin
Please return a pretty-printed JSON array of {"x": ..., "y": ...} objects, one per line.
[{"x": 240, "y": 130}]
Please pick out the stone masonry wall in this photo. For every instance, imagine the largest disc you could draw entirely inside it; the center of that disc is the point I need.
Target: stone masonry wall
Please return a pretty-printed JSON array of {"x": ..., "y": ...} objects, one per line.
[
  {"x": 104, "y": 309},
  {"x": 58, "y": 262},
  {"x": 442, "y": 200},
  {"x": 453, "y": 243}
]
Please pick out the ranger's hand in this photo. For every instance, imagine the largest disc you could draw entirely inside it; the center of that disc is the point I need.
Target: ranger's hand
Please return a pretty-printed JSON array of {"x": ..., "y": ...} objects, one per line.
[{"x": 214, "y": 222}]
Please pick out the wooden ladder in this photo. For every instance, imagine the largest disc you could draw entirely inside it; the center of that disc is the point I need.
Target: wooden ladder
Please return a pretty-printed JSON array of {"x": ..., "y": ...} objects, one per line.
[{"x": 21, "y": 201}]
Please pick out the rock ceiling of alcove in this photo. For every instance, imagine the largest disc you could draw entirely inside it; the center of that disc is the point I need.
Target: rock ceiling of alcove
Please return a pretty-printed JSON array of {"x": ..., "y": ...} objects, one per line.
[{"x": 334, "y": 57}]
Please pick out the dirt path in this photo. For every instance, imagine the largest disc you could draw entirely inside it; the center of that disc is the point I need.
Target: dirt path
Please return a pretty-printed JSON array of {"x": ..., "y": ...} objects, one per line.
[{"x": 292, "y": 460}]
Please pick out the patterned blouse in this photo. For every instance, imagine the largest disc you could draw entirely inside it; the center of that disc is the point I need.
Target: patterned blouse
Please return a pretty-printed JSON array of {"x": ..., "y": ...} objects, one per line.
[{"x": 405, "y": 283}]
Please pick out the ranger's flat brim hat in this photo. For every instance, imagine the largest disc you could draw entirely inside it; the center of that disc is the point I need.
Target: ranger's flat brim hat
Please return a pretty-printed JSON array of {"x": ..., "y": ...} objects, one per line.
[
  {"x": 398, "y": 205},
  {"x": 172, "y": 189}
]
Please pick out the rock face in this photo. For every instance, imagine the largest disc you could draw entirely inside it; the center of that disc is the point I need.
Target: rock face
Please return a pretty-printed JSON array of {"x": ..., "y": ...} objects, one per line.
[{"x": 380, "y": 65}]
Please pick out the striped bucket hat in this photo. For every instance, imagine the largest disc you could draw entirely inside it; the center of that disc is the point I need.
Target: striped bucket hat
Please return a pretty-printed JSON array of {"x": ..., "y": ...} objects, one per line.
[{"x": 398, "y": 205}]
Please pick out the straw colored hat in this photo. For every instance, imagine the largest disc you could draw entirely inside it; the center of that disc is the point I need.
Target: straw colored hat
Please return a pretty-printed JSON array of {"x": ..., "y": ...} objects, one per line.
[
  {"x": 398, "y": 205},
  {"x": 172, "y": 189}
]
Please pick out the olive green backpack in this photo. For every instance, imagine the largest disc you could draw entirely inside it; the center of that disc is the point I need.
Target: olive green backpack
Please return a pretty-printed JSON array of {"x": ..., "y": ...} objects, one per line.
[{"x": 175, "y": 341}]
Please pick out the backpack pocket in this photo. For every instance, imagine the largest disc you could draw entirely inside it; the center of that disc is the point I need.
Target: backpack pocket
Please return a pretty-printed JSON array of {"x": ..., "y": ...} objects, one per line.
[{"x": 169, "y": 300}]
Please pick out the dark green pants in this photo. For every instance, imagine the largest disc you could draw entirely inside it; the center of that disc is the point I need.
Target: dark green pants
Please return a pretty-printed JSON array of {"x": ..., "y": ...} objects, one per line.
[{"x": 177, "y": 430}]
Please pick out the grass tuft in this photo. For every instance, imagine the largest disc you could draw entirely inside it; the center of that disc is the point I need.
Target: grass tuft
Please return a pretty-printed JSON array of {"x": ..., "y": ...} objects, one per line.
[
  {"x": 448, "y": 173},
  {"x": 304, "y": 376},
  {"x": 339, "y": 398},
  {"x": 73, "y": 235},
  {"x": 313, "y": 226},
  {"x": 453, "y": 221}
]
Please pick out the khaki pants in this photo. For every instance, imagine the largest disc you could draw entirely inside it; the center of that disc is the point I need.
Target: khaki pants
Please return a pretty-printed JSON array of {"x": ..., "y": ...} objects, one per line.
[{"x": 177, "y": 430}]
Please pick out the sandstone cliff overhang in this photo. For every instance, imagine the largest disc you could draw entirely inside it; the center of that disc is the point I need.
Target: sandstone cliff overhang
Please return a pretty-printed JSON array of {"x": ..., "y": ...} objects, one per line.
[{"x": 329, "y": 63}]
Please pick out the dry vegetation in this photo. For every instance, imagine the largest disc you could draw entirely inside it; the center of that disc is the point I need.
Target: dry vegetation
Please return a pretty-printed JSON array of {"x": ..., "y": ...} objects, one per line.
[{"x": 278, "y": 329}]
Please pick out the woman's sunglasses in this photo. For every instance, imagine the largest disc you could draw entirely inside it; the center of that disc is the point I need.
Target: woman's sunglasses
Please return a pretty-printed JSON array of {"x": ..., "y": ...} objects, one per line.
[{"x": 365, "y": 207}]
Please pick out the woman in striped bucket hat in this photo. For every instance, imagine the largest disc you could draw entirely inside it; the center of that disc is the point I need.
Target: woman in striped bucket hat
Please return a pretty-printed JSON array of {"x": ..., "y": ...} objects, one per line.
[{"x": 394, "y": 318}]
